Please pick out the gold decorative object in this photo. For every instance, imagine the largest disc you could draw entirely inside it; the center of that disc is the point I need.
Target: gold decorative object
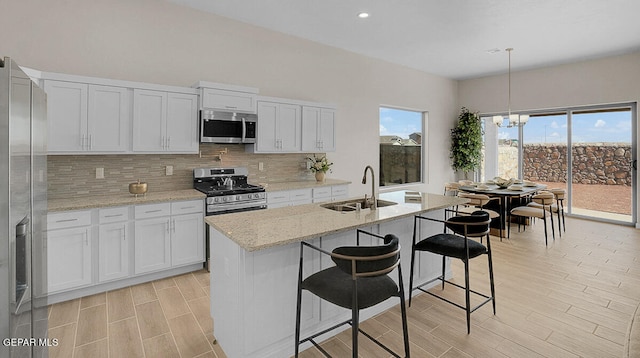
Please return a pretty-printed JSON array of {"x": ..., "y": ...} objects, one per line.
[{"x": 138, "y": 188}]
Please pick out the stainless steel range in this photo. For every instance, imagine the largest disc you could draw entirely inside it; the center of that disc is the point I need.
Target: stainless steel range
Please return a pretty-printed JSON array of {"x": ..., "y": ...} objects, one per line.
[{"x": 228, "y": 191}]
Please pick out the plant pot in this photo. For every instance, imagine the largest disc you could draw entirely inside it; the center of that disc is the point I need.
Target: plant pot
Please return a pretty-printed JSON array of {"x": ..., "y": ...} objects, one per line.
[{"x": 320, "y": 176}]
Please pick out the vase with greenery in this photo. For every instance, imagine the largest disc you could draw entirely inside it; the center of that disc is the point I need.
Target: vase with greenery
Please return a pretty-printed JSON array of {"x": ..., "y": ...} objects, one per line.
[
  {"x": 319, "y": 166},
  {"x": 466, "y": 143}
]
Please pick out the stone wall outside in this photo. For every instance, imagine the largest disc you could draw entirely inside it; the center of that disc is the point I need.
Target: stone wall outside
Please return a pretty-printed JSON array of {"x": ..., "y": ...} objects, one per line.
[{"x": 593, "y": 163}]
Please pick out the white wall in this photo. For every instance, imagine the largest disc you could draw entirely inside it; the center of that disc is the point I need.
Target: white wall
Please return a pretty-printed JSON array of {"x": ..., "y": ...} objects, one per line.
[
  {"x": 608, "y": 80},
  {"x": 158, "y": 42}
]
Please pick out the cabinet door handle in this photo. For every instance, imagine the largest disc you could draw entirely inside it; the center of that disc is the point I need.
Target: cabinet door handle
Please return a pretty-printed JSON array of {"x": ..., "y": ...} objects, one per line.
[
  {"x": 231, "y": 107},
  {"x": 113, "y": 216},
  {"x": 66, "y": 220},
  {"x": 86, "y": 237},
  {"x": 82, "y": 141},
  {"x": 168, "y": 227},
  {"x": 168, "y": 142},
  {"x": 124, "y": 233},
  {"x": 173, "y": 226},
  {"x": 90, "y": 141},
  {"x": 153, "y": 211}
]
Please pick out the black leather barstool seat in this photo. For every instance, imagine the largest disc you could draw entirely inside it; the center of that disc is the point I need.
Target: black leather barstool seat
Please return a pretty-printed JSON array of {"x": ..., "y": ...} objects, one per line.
[
  {"x": 451, "y": 245},
  {"x": 334, "y": 285}
]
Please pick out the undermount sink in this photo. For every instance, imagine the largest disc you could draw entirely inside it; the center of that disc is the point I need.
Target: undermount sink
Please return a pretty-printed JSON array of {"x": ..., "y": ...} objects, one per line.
[{"x": 350, "y": 205}]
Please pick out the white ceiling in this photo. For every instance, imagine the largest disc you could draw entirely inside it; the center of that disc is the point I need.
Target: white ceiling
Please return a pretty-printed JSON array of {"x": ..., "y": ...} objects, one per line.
[{"x": 451, "y": 38}]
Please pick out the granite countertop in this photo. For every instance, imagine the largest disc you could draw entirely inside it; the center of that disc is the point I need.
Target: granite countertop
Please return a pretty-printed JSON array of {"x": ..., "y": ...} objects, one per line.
[
  {"x": 301, "y": 184},
  {"x": 262, "y": 229},
  {"x": 99, "y": 201}
]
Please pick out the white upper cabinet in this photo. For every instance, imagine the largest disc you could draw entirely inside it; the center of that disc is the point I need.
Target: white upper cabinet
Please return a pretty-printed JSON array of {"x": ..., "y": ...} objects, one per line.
[
  {"x": 224, "y": 97},
  {"x": 87, "y": 118},
  {"x": 149, "y": 121},
  {"x": 279, "y": 128},
  {"x": 165, "y": 122},
  {"x": 318, "y": 129},
  {"x": 109, "y": 118},
  {"x": 101, "y": 116},
  {"x": 228, "y": 100}
]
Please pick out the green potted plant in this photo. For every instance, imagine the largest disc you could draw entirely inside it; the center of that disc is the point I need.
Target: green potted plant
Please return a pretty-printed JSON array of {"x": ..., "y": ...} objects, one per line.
[{"x": 466, "y": 143}]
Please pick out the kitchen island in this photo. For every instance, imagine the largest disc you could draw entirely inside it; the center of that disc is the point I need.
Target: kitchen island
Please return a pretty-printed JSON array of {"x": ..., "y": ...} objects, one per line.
[{"x": 255, "y": 258}]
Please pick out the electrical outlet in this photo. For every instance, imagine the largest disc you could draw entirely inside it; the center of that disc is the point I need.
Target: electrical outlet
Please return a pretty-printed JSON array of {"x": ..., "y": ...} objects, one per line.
[
  {"x": 261, "y": 166},
  {"x": 99, "y": 173},
  {"x": 169, "y": 170}
]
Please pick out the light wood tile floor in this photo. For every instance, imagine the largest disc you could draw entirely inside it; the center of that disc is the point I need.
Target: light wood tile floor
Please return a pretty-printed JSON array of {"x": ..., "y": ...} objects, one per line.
[
  {"x": 164, "y": 318},
  {"x": 573, "y": 298}
]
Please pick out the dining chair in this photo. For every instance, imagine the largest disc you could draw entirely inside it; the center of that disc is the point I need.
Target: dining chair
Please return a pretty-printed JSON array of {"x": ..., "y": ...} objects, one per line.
[
  {"x": 544, "y": 200},
  {"x": 359, "y": 279},
  {"x": 555, "y": 208},
  {"x": 456, "y": 245}
]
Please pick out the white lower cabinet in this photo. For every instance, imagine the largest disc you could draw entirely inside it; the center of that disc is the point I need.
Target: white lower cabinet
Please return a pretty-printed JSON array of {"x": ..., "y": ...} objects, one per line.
[
  {"x": 164, "y": 240},
  {"x": 152, "y": 245},
  {"x": 113, "y": 251},
  {"x": 114, "y": 242},
  {"x": 278, "y": 199},
  {"x": 108, "y": 246},
  {"x": 187, "y": 233},
  {"x": 69, "y": 251}
]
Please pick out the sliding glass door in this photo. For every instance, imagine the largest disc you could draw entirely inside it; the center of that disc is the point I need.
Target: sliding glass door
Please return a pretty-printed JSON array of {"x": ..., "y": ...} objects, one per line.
[
  {"x": 587, "y": 151},
  {"x": 601, "y": 163}
]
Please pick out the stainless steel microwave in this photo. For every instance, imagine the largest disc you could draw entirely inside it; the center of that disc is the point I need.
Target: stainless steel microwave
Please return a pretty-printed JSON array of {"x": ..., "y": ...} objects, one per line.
[{"x": 227, "y": 127}]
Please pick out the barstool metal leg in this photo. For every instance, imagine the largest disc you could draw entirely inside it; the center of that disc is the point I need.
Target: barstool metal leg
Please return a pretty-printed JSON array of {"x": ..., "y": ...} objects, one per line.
[{"x": 467, "y": 295}]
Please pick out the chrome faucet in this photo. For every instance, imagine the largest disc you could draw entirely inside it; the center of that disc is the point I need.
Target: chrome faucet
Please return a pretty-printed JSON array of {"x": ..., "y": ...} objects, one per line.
[{"x": 373, "y": 205}]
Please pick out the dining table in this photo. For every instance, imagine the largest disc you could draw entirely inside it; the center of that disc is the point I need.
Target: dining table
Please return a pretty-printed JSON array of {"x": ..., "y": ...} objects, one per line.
[{"x": 506, "y": 196}]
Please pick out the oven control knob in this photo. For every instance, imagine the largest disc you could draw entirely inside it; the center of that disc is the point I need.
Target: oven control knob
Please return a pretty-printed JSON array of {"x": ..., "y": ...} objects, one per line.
[
  {"x": 256, "y": 196},
  {"x": 215, "y": 200},
  {"x": 238, "y": 197},
  {"x": 224, "y": 199}
]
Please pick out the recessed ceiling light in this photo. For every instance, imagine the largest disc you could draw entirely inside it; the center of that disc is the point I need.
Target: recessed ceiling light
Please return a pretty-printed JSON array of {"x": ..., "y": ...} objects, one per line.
[{"x": 363, "y": 15}]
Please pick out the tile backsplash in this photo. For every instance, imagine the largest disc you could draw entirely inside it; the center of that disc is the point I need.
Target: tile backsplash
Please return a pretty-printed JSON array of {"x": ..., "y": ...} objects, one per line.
[{"x": 75, "y": 175}]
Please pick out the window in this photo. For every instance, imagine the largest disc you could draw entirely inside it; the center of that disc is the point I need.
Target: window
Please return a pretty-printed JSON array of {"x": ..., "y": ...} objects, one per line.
[{"x": 401, "y": 133}]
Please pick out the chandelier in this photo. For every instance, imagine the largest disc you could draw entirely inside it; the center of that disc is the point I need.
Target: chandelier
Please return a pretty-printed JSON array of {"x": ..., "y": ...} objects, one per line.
[{"x": 512, "y": 119}]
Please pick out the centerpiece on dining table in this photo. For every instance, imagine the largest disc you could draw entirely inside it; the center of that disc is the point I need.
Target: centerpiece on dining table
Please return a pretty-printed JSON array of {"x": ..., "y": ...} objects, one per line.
[{"x": 503, "y": 183}]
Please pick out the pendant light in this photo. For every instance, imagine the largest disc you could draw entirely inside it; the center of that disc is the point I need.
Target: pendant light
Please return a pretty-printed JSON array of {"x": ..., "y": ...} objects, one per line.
[{"x": 513, "y": 119}]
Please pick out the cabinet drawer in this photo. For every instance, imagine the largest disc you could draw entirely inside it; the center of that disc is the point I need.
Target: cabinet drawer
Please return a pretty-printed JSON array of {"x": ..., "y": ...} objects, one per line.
[
  {"x": 113, "y": 215},
  {"x": 277, "y": 197},
  {"x": 152, "y": 210},
  {"x": 339, "y": 190},
  {"x": 300, "y": 195},
  {"x": 68, "y": 219},
  {"x": 187, "y": 207},
  {"x": 323, "y": 192}
]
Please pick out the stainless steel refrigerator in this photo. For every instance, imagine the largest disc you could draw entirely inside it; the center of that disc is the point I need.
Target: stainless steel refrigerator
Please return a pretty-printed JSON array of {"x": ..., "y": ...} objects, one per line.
[{"x": 23, "y": 209}]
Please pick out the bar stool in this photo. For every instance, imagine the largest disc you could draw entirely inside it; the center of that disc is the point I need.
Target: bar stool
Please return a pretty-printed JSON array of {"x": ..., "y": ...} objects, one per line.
[
  {"x": 457, "y": 245},
  {"x": 360, "y": 279}
]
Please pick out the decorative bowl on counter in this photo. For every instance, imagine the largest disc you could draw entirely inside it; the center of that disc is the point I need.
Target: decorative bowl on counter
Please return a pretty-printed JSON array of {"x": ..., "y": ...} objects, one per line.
[{"x": 138, "y": 188}]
